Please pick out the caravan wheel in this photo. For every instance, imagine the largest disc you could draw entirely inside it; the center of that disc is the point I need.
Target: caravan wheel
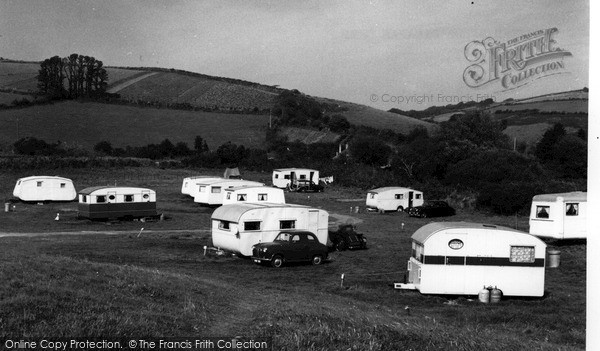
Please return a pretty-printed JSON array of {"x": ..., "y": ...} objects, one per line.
[
  {"x": 400, "y": 209},
  {"x": 317, "y": 260}
]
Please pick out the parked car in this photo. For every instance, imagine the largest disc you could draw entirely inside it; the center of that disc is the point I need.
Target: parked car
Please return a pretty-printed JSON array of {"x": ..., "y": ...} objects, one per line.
[
  {"x": 432, "y": 208},
  {"x": 346, "y": 238},
  {"x": 306, "y": 185},
  {"x": 290, "y": 246}
]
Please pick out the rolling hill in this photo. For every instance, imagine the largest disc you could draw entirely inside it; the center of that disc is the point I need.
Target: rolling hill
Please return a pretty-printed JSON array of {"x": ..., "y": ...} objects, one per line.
[{"x": 175, "y": 88}]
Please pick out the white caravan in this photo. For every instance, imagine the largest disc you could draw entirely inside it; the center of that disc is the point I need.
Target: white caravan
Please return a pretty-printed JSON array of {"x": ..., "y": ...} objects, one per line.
[
  {"x": 210, "y": 191},
  {"x": 461, "y": 258},
  {"x": 189, "y": 186},
  {"x": 282, "y": 177},
  {"x": 559, "y": 216},
  {"x": 393, "y": 198},
  {"x": 45, "y": 188},
  {"x": 251, "y": 193},
  {"x": 237, "y": 227}
]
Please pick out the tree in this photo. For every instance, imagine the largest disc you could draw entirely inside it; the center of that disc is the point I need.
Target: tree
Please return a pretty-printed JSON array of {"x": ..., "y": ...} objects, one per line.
[
  {"x": 544, "y": 149},
  {"x": 478, "y": 129},
  {"x": 370, "y": 150},
  {"x": 51, "y": 78},
  {"x": 200, "y": 145},
  {"x": 85, "y": 77}
]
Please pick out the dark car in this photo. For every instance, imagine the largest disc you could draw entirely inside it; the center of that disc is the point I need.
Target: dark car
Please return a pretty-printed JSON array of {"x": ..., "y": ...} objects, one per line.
[
  {"x": 305, "y": 185},
  {"x": 433, "y": 208},
  {"x": 346, "y": 238},
  {"x": 290, "y": 246}
]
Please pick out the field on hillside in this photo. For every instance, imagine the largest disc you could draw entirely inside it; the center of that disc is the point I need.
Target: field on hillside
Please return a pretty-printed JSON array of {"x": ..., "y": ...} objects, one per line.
[
  {"x": 114, "y": 280},
  {"x": 85, "y": 124},
  {"x": 568, "y": 106}
]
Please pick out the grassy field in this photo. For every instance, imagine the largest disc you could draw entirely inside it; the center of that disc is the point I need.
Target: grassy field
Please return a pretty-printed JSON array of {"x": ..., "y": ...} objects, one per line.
[
  {"x": 122, "y": 125},
  {"x": 112, "y": 281}
]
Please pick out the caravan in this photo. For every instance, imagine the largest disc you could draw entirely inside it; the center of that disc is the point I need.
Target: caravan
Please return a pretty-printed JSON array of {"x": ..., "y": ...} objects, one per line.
[
  {"x": 209, "y": 191},
  {"x": 461, "y": 258},
  {"x": 393, "y": 199},
  {"x": 283, "y": 177},
  {"x": 190, "y": 184},
  {"x": 44, "y": 188},
  {"x": 253, "y": 193},
  {"x": 559, "y": 216},
  {"x": 107, "y": 202},
  {"x": 237, "y": 227}
]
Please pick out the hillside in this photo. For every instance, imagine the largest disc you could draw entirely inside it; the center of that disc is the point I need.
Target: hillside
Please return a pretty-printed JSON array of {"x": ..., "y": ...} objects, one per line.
[
  {"x": 181, "y": 89},
  {"x": 85, "y": 124}
]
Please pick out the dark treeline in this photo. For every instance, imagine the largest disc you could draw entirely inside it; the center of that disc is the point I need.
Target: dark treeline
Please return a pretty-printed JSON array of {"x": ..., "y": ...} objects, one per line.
[{"x": 72, "y": 77}]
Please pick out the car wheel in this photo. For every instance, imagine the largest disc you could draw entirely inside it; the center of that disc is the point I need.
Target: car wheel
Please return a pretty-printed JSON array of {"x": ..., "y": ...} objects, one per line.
[
  {"x": 400, "y": 209},
  {"x": 317, "y": 260},
  {"x": 341, "y": 245},
  {"x": 277, "y": 261}
]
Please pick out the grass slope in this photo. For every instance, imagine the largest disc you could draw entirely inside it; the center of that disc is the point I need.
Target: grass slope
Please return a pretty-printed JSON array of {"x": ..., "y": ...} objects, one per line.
[
  {"x": 85, "y": 124},
  {"x": 159, "y": 283}
]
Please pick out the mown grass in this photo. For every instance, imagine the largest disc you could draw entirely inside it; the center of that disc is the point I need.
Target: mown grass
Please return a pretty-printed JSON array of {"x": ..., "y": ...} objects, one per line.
[{"x": 159, "y": 283}]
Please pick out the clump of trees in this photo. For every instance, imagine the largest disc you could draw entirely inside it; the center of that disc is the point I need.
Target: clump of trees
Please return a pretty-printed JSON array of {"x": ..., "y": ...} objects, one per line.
[{"x": 72, "y": 77}]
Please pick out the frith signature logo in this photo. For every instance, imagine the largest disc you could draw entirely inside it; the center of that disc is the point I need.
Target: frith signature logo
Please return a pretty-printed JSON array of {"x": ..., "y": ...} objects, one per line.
[{"x": 515, "y": 63}]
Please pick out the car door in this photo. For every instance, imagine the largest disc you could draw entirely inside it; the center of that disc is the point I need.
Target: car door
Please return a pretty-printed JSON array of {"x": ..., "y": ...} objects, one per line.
[{"x": 298, "y": 248}]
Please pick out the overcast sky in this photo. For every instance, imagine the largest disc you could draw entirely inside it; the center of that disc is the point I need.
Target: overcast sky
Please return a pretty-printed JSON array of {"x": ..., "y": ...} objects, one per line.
[{"x": 358, "y": 51}]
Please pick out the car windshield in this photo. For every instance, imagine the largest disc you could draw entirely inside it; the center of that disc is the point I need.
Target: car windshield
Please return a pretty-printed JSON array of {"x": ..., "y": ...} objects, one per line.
[{"x": 283, "y": 237}]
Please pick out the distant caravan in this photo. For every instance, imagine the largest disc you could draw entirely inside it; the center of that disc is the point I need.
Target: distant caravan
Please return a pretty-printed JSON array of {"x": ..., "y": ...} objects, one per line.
[
  {"x": 559, "y": 216},
  {"x": 393, "y": 198},
  {"x": 106, "y": 202},
  {"x": 44, "y": 188},
  {"x": 283, "y": 177},
  {"x": 253, "y": 194}
]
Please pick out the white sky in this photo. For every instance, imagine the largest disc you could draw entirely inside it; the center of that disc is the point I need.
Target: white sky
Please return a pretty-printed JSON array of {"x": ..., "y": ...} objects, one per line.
[{"x": 347, "y": 50}]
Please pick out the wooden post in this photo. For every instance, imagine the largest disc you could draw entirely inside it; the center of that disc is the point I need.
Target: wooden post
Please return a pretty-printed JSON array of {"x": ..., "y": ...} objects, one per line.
[{"x": 342, "y": 281}]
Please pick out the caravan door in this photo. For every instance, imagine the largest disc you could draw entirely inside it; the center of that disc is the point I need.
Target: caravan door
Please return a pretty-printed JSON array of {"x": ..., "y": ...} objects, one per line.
[
  {"x": 454, "y": 263},
  {"x": 410, "y": 199},
  {"x": 574, "y": 224}
]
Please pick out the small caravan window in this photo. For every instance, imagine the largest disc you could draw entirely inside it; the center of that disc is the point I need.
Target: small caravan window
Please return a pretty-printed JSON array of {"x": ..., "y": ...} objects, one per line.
[
  {"x": 398, "y": 196},
  {"x": 276, "y": 175},
  {"x": 111, "y": 197},
  {"x": 215, "y": 189},
  {"x": 372, "y": 195},
  {"x": 39, "y": 184},
  {"x": 417, "y": 196},
  {"x": 542, "y": 212},
  {"x": 145, "y": 196},
  {"x": 128, "y": 198},
  {"x": 287, "y": 224},
  {"x": 417, "y": 251},
  {"x": 522, "y": 254},
  {"x": 202, "y": 188},
  {"x": 62, "y": 185},
  {"x": 101, "y": 198},
  {"x": 286, "y": 176},
  {"x": 572, "y": 209},
  {"x": 262, "y": 197},
  {"x": 228, "y": 196},
  {"x": 254, "y": 225},
  {"x": 302, "y": 176},
  {"x": 241, "y": 197},
  {"x": 224, "y": 225},
  {"x": 83, "y": 198}
]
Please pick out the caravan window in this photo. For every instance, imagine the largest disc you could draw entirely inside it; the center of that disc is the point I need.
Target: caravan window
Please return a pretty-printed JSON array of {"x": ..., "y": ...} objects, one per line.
[
  {"x": 522, "y": 254},
  {"x": 101, "y": 198},
  {"x": 262, "y": 197},
  {"x": 215, "y": 189},
  {"x": 287, "y": 224},
  {"x": 417, "y": 251},
  {"x": 202, "y": 188},
  {"x": 62, "y": 185},
  {"x": 371, "y": 195},
  {"x": 276, "y": 175},
  {"x": 254, "y": 225},
  {"x": 128, "y": 198},
  {"x": 286, "y": 176},
  {"x": 224, "y": 225},
  {"x": 417, "y": 196},
  {"x": 241, "y": 197},
  {"x": 398, "y": 196},
  {"x": 39, "y": 184},
  {"x": 302, "y": 176},
  {"x": 542, "y": 212},
  {"x": 228, "y": 196},
  {"x": 84, "y": 198},
  {"x": 572, "y": 209}
]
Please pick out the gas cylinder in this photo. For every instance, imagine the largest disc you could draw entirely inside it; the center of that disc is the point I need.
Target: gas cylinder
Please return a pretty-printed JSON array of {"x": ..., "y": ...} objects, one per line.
[
  {"x": 484, "y": 295},
  {"x": 495, "y": 295}
]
